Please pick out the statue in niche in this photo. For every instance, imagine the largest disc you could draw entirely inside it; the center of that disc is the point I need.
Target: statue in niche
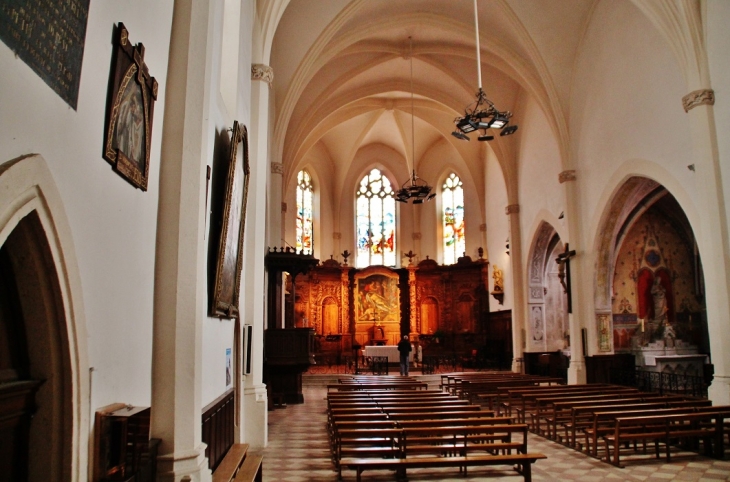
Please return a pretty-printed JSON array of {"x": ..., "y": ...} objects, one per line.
[
  {"x": 498, "y": 280},
  {"x": 659, "y": 296}
]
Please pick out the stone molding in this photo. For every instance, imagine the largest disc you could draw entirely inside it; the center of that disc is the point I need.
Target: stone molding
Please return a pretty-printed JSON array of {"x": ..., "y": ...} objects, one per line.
[
  {"x": 698, "y": 97},
  {"x": 512, "y": 209},
  {"x": 336, "y": 235},
  {"x": 262, "y": 72},
  {"x": 568, "y": 175},
  {"x": 277, "y": 168}
]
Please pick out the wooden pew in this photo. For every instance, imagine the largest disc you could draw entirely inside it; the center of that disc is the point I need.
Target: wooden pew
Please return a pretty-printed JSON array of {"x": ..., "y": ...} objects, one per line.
[
  {"x": 707, "y": 426},
  {"x": 384, "y": 386},
  {"x": 525, "y": 461},
  {"x": 239, "y": 466}
]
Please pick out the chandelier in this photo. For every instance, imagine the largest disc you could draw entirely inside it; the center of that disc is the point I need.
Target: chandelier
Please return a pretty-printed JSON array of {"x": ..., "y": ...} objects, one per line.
[
  {"x": 414, "y": 189},
  {"x": 482, "y": 114}
]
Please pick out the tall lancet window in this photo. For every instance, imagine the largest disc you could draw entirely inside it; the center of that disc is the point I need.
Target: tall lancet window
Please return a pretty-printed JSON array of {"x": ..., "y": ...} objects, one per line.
[
  {"x": 375, "y": 221},
  {"x": 305, "y": 225},
  {"x": 453, "y": 215}
]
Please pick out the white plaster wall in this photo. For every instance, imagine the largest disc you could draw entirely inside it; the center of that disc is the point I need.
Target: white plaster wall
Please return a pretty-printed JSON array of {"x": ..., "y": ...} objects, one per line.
[
  {"x": 497, "y": 231},
  {"x": 626, "y": 106},
  {"x": 717, "y": 17},
  {"x": 113, "y": 224},
  {"x": 539, "y": 165},
  {"x": 219, "y": 334}
]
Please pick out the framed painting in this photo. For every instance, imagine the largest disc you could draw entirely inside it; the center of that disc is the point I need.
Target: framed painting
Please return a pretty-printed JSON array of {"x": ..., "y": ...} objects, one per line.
[
  {"x": 229, "y": 260},
  {"x": 132, "y": 95},
  {"x": 377, "y": 298}
]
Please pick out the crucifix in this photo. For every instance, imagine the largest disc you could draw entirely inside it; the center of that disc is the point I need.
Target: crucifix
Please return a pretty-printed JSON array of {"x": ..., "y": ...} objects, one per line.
[{"x": 563, "y": 261}]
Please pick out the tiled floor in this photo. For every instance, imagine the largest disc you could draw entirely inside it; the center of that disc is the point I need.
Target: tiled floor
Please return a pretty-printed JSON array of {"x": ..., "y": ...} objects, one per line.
[{"x": 298, "y": 451}]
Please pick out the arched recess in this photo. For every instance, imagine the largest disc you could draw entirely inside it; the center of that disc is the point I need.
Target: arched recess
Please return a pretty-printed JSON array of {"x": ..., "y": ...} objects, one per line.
[
  {"x": 647, "y": 246},
  {"x": 331, "y": 324},
  {"x": 429, "y": 316},
  {"x": 35, "y": 236},
  {"x": 547, "y": 327}
]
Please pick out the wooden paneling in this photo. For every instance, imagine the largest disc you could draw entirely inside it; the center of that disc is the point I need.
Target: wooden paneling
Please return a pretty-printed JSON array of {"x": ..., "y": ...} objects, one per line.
[{"x": 218, "y": 427}]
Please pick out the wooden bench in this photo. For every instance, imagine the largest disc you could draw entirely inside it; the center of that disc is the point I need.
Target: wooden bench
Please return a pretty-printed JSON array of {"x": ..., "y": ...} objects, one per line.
[
  {"x": 707, "y": 426},
  {"x": 523, "y": 460},
  {"x": 239, "y": 466}
]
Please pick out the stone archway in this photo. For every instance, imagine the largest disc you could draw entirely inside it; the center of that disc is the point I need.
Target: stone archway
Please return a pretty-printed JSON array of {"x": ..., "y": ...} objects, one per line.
[
  {"x": 647, "y": 245},
  {"x": 547, "y": 315},
  {"x": 36, "y": 243}
]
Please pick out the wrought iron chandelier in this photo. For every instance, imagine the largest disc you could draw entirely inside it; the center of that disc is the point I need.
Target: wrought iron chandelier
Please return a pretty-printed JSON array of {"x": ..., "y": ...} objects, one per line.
[
  {"x": 482, "y": 114},
  {"x": 414, "y": 189}
]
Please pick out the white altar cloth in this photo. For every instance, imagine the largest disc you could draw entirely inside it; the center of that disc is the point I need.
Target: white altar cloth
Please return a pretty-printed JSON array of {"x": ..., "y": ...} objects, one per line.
[{"x": 391, "y": 351}]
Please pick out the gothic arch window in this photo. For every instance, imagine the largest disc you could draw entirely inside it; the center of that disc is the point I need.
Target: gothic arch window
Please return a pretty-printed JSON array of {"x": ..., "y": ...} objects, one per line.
[
  {"x": 452, "y": 203},
  {"x": 375, "y": 221},
  {"x": 305, "y": 223}
]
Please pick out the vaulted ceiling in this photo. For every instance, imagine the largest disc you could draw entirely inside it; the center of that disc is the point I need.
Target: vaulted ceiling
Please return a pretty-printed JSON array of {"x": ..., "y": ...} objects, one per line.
[{"x": 342, "y": 76}]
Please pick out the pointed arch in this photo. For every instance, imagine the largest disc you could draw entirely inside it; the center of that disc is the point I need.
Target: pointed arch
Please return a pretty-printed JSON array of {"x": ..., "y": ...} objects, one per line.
[
  {"x": 34, "y": 227},
  {"x": 375, "y": 220},
  {"x": 453, "y": 223}
]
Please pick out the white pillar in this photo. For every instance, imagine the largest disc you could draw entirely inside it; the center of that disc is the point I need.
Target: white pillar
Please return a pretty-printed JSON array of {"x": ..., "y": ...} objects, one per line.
[
  {"x": 581, "y": 282},
  {"x": 254, "y": 414},
  {"x": 714, "y": 240},
  {"x": 277, "y": 213},
  {"x": 180, "y": 266},
  {"x": 518, "y": 288}
]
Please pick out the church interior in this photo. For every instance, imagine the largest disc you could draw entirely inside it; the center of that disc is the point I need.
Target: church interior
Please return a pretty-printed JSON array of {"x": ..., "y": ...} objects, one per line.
[{"x": 205, "y": 203}]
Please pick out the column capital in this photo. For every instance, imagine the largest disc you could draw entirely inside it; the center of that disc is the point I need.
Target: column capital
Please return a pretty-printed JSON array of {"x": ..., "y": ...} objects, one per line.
[
  {"x": 512, "y": 209},
  {"x": 416, "y": 236},
  {"x": 698, "y": 97},
  {"x": 283, "y": 207},
  {"x": 262, "y": 72},
  {"x": 567, "y": 175},
  {"x": 336, "y": 235},
  {"x": 483, "y": 227},
  {"x": 277, "y": 168}
]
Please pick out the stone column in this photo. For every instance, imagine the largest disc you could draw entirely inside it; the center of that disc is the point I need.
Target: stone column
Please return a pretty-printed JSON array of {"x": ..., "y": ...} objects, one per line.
[
  {"x": 714, "y": 242},
  {"x": 277, "y": 217},
  {"x": 254, "y": 414},
  {"x": 180, "y": 265},
  {"x": 518, "y": 290},
  {"x": 581, "y": 281}
]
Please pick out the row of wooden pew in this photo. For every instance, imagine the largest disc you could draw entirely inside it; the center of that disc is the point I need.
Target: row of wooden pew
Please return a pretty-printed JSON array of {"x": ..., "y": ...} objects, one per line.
[
  {"x": 586, "y": 417},
  {"x": 396, "y": 424}
]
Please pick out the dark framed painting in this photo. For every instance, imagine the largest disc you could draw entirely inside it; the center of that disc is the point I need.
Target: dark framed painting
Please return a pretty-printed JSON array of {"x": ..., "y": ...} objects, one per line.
[
  {"x": 132, "y": 95},
  {"x": 229, "y": 261}
]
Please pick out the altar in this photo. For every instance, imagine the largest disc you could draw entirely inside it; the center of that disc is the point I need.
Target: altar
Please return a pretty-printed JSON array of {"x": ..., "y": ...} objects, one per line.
[{"x": 391, "y": 351}]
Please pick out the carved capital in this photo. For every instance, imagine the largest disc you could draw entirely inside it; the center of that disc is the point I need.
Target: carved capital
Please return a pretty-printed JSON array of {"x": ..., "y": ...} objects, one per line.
[
  {"x": 336, "y": 235},
  {"x": 416, "y": 236},
  {"x": 568, "y": 175},
  {"x": 512, "y": 209},
  {"x": 283, "y": 207},
  {"x": 277, "y": 168},
  {"x": 483, "y": 228},
  {"x": 262, "y": 72},
  {"x": 698, "y": 97}
]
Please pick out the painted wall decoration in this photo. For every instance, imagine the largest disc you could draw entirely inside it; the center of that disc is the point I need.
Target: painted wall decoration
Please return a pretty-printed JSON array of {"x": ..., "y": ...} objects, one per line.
[
  {"x": 377, "y": 299},
  {"x": 656, "y": 284}
]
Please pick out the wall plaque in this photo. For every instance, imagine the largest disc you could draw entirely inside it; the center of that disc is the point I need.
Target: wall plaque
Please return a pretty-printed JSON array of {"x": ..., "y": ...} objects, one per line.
[{"x": 48, "y": 35}]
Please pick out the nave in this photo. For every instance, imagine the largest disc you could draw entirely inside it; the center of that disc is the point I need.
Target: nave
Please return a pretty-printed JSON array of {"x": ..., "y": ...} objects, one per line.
[{"x": 298, "y": 451}]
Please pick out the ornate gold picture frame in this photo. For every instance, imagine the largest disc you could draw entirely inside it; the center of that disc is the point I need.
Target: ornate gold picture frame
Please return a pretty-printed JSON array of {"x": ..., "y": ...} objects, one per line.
[
  {"x": 132, "y": 95},
  {"x": 229, "y": 262}
]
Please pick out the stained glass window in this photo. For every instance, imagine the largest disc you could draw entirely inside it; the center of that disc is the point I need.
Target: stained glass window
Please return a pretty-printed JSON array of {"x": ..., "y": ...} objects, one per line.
[
  {"x": 375, "y": 222},
  {"x": 305, "y": 225},
  {"x": 453, "y": 208}
]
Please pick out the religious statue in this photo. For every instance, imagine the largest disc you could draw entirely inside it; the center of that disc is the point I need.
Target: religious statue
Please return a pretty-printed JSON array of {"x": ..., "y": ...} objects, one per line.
[
  {"x": 498, "y": 280},
  {"x": 659, "y": 295}
]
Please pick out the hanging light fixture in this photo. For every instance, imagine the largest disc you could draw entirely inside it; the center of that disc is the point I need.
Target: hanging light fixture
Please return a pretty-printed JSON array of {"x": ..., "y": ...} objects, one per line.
[
  {"x": 482, "y": 113},
  {"x": 414, "y": 189}
]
